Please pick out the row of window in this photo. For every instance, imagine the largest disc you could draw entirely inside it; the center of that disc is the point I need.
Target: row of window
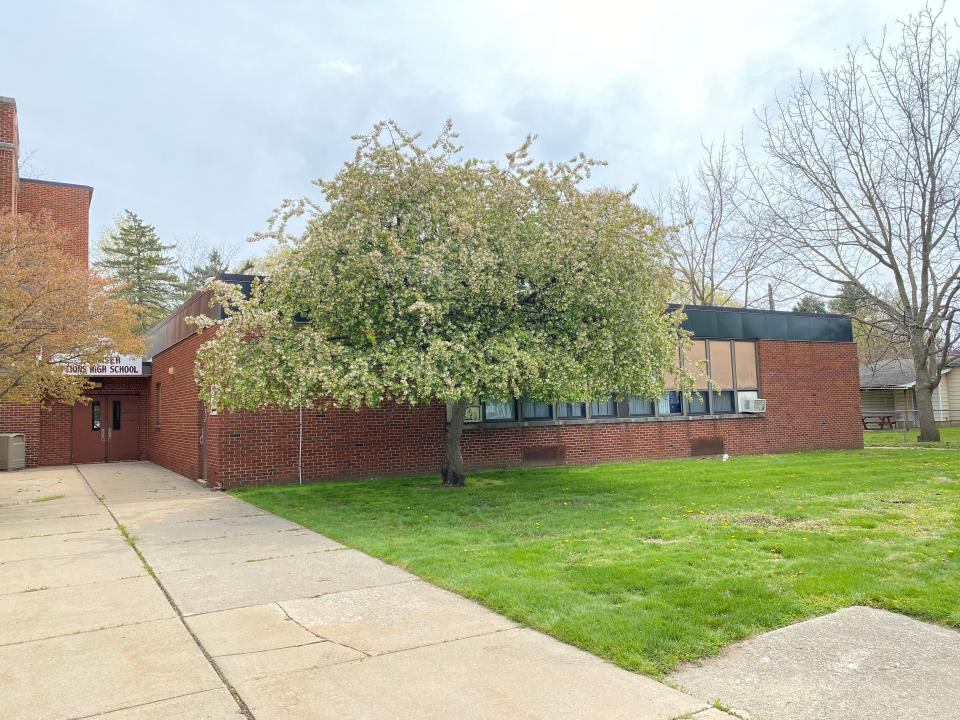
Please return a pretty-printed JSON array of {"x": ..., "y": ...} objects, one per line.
[{"x": 724, "y": 371}]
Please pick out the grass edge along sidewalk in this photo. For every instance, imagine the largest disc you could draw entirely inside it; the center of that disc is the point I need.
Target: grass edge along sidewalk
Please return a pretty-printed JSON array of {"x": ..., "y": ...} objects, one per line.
[{"x": 651, "y": 564}]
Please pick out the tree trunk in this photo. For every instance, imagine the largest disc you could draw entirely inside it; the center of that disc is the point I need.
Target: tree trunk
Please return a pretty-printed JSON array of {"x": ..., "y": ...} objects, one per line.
[
  {"x": 929, "y": 431},
  {"x": 453, "y": 475}
]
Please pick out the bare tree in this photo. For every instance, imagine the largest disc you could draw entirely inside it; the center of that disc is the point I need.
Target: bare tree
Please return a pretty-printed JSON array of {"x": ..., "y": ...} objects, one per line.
[
  {"x": 718, "y": 256},
  {"x": 862, "y": 185}
]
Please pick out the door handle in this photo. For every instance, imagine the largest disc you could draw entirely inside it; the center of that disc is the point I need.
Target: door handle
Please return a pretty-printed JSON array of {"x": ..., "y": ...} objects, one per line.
[
  {"x": 103, "y": 435},
  {"x": 109, "y": 433}
]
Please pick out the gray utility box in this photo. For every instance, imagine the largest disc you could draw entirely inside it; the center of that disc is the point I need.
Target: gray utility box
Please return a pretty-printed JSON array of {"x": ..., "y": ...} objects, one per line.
[{"x": 13, "y": 451}]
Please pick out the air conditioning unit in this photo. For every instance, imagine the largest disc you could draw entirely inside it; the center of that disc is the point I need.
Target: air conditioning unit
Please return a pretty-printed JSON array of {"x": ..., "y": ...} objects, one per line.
[
  {"x": 753, "y": 405},
  {"x": 13, "y": 451}
]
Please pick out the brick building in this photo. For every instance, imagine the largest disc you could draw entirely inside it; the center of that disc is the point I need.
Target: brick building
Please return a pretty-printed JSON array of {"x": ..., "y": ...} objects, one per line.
[{"x": 803, "y": 366}]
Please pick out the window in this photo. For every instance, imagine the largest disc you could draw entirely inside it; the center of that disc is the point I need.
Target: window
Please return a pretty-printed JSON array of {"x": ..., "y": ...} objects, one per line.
[
  {"x": 473, "y": 413},
  {"x": 670, "y": 403},
  {"x": 156, "y": 405},
  {"x": 746, "y": 395},
  {"x": 745, "y": 356},
  {"x": 95, "y": 415},
  {"x": 535, "y": 410},
  {"x": 571, "y": 410},
  {"x": 722, "y": 401},
  {"x": 698, "y": 403},
  {"x": 721, "y": 377},
  {"x": 639, "y": 406},
  {"x": 695, "y": 363},
  {"x": 116, "y": 414},
  {"x": 496, "y": 410},
  {"x": 603, "y": 408}
]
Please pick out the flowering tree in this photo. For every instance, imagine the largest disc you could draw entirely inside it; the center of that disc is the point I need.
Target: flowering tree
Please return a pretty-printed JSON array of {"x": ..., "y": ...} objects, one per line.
[
  {"x": 52, "y": 313},
  {"x": 428, "y": 278}
]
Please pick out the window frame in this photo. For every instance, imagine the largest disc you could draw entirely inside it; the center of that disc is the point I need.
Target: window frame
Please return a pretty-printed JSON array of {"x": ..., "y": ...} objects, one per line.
[
  {"x": 612, "y": 399},
  {"x": 512, "y": 403},
  {"x": 524, "y": 418},
  {"x": 583, "y": 410}
]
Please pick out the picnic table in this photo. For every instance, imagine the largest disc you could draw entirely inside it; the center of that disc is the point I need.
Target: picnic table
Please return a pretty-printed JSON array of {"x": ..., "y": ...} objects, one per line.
[{"x": 882, "y": 421}]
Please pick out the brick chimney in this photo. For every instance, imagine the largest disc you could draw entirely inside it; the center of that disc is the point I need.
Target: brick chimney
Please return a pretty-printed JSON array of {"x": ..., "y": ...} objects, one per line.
[{"x": 9, "y": 154}]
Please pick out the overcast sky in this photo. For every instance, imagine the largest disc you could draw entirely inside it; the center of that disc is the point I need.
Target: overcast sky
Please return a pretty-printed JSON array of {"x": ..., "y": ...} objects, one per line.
[{"x": 203, "y": 116}]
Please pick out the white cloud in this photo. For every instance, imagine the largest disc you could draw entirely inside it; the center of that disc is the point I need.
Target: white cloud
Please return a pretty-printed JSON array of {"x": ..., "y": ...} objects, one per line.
[{"x": 202, "y": 117}]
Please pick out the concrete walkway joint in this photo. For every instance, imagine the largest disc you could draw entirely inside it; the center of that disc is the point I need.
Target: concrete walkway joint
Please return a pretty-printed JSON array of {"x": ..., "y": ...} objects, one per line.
[{"x": 237, "y": 613}]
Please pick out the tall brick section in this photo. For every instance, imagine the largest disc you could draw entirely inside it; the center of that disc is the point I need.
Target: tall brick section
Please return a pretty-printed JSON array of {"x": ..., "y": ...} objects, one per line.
[
  {"x": 9, "y": 149},
  {"x": 68, "y": 205},
  {"x": 812, "y": 391}
]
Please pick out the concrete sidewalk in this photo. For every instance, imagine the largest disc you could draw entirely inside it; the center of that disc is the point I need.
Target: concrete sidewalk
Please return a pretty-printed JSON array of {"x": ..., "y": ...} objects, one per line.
[{"x": 242, "y": 613}]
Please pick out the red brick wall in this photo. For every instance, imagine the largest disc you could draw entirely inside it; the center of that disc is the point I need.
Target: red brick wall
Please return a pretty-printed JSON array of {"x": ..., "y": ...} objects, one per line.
[
  {"x": 48, "y": 430},
  {"x": 69, "y": 208},
  {"x": 256, "y": 448},
  {"x": 812, "y": 391},
  {"x": 23, "y": 418},
  {"x": 175, "y": 443},
  {"x": 813, "y": 402},
  {"x": 56, "y": 435}
]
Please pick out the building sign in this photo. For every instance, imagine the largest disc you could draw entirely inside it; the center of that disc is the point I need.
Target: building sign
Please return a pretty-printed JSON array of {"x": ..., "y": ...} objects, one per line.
[{"x": 112, "y": 365}]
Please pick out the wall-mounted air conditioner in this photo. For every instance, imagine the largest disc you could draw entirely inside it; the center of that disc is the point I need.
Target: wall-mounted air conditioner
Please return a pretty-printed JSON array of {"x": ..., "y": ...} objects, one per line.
[{"x": 753, "y": 405}]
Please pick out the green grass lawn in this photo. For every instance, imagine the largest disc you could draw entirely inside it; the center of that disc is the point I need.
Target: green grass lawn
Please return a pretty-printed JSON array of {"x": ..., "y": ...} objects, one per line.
[
  {"x": 651, "y": 564},
  {"x": 949, "y": 438}
]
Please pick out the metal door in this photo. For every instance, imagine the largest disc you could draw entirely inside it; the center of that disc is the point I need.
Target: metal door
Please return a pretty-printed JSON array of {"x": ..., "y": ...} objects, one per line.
[{"x": 123, "y": 427}]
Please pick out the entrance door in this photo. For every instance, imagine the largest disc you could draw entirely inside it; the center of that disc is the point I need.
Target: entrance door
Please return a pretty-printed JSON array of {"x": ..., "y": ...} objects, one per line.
[
  {"x": 106, "y": 428},
  {"x": 123, "y": 428},
  {"x": 90, "y": 431}
]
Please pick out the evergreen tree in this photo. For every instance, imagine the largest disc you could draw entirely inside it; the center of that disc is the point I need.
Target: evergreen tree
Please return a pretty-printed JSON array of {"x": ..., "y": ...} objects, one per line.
[
  {"x": 810, "y": 304},
  {"x": 193, "y": 277},
  {"x": 132, "y": 253},
  {"x": 851, "y": 301}
]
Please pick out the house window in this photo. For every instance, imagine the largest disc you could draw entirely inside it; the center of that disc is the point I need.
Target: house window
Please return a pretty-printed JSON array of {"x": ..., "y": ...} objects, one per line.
[
  {"x": 156, "y": 405},
  {"x": 571, "y": 410},
  {"x": 95, "y": 415},
  {"x": 603, "y": 408},
  {"x": 499, "y": 411},
  {"x": 535, "y": 410},
  {"x": 639, "y": 406}
]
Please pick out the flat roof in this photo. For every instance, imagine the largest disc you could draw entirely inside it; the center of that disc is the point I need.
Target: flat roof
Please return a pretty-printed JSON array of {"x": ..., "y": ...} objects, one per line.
[
  {"x": 733, "y": 323},
  {"x": 56, "y": 183},
  {"x": 704, "y": 321}
]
